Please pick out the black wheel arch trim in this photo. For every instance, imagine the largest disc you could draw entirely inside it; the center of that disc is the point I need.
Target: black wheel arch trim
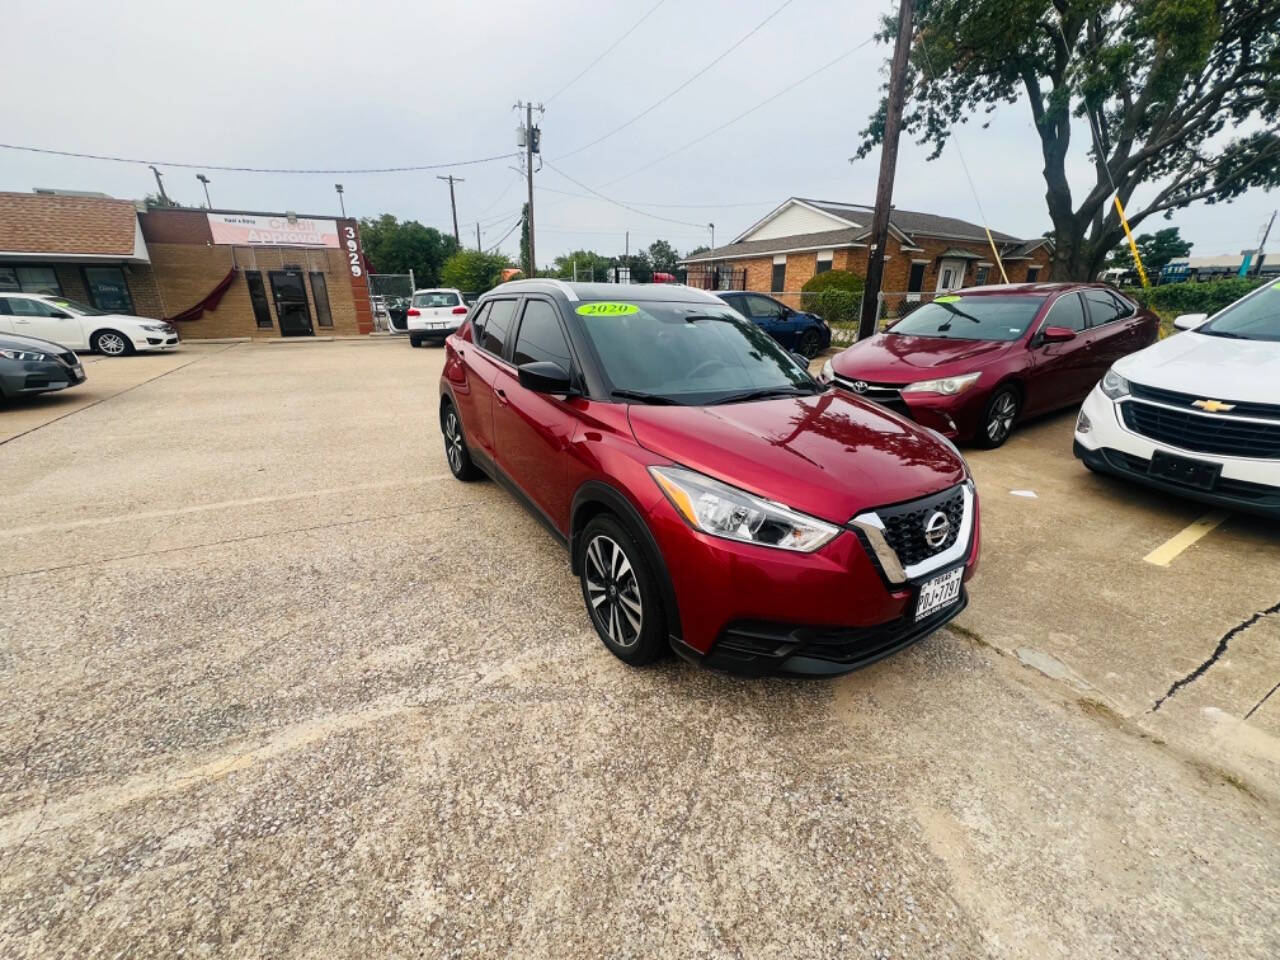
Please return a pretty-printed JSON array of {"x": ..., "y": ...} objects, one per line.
[{"x": 600, "y": 493}]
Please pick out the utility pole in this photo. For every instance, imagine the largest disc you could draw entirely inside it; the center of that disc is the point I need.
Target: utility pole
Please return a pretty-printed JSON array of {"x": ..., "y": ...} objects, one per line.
[
  {"x": 1262, "y": 246},
  {"x": 454, "y": 205},
  {"x": 477, "y": 236},
  {"x": 713, "y": 235},
  {"x": 160, "y": 183},
  {"x": 205, "y": 181},
  {"x": 338, "y": 187},
  {"x": 888, "y": 166},
  {"x": 532, "y": 144}
]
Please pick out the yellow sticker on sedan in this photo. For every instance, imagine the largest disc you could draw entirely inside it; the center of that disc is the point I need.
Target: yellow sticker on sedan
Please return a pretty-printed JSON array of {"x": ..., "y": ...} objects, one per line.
[
  {"x": 606, "y": 309},
  {"x": 946, "y": 300}
]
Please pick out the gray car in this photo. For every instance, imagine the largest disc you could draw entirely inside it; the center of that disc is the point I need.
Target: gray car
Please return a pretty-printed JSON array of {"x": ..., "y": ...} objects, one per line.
[{"x": 28, "y": 365}]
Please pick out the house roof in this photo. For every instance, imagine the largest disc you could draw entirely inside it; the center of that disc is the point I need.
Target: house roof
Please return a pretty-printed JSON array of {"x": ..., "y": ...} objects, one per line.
[
  {"x": 911, "y": 221},
  {"x": 800, "y": 241},
  {"x": 33, "y": 223}
]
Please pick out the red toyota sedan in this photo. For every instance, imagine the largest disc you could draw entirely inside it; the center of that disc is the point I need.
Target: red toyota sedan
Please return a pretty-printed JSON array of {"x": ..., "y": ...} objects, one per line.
[
  {"x": 973, "y": 363},
  {"x": 713, "y": 496}
]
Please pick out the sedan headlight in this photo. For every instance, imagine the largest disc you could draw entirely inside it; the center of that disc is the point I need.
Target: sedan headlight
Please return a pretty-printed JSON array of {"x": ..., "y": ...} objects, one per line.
[
  {"x": 23, "y": 355},
  {"x": 157, "y": 327},
  {"x": 724, "y": 511},
  {"x": 947, "y": 386},
  {"x": 828, "y": 373},
  {"x": 1114, "y": 385}
]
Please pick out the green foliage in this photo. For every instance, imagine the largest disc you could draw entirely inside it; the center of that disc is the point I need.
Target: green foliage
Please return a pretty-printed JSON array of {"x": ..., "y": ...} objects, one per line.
[
  {"x": 1156, "y": 250},
  {"x": 395, "y": 247},
  {"x": 697, "y": 250},
  {"x": 525, "y": 265},
  {"x": 1208, "y": 297},
  {"x": 472, "y": 271},
  {"x": 663, "y": 256},
  {"x": 1183, "y": 94},
  {"x": 835, "y": 295},
  {"x": 589, "y": 265}
]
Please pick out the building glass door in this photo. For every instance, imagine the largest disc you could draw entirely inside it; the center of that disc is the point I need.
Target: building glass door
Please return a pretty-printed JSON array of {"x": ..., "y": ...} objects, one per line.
[{"x": 290, "y": 292}]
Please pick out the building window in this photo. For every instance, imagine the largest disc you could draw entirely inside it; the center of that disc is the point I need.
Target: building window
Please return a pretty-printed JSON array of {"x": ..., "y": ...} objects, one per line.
[
  {"x": 1032, "y": 274},
  {"x": 258, "y": 297},
  {"x": 824, "y": 261},
  {"x": 9, "y": 279},
  {"x": 779, "y": 281},
  {"x": 108, "y": 290},
  {"x": 320, "y": 294},
  {"x": 981, "y": 277},
  {"x": 915, "y": 282},
  {"x": 30, "y": 280}
]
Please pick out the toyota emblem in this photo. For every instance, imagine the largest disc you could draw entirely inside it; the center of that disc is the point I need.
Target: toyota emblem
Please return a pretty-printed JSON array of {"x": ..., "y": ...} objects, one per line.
[
  {"x": 936, "y": 529},
  {"x": 860, "y": 386}
]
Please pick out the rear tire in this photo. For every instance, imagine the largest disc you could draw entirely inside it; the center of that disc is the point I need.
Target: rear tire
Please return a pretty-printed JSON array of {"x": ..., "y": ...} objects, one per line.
[
  {"x": 415, "y": 341},
  {"x": 111, "y": 343},
  {"x": 455, "y": 446},
  {"x": 621, "y": 593},
  {"x": 998, "y": 418},
  {"x": 810, "y": 344}
]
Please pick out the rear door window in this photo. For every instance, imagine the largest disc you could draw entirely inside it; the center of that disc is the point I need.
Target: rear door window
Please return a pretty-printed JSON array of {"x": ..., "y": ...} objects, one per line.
[{"x": 1102, "y": 307}]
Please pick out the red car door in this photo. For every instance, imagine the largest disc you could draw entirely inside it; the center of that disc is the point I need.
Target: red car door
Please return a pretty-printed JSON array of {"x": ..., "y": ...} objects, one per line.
[
  {"x": 481, "y": 364},
  {"x": 533, "y": 430},
  {"x": 1059, "y": 369},
  {"x": 1118, "y": 329}
]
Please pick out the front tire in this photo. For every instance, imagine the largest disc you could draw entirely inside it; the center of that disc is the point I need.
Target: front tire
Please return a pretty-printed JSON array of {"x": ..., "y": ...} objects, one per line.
[
  {"x": 455, "y": 446},
  {"x": 810, "y": 343},
  {"x": 998, "y": 418},
  {"x": 111, "y": 343},
  {"x": 621, "y": 592}
]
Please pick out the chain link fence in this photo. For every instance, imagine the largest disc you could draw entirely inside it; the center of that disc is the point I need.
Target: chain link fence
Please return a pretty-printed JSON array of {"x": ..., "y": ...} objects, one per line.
[
  {"x": 389, "y": 295},
  {"x": 842, "y": 309}
]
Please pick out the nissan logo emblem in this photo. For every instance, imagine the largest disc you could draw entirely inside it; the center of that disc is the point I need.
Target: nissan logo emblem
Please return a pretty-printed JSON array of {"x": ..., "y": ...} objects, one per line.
[
  {"x": 936, "y": 529},
  {"x": 860, "y": 386}
]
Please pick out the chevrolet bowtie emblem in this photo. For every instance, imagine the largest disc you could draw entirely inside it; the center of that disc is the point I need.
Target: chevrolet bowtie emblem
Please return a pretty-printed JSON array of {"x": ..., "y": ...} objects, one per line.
[{"x": 1214, "y": 406}]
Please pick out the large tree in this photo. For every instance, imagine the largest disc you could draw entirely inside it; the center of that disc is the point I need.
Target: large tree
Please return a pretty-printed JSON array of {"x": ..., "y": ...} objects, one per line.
[
  {"x": 395, "y": 247},
  {"x": 1182, "y": 94},
  {"x": 663, "y": 256}
]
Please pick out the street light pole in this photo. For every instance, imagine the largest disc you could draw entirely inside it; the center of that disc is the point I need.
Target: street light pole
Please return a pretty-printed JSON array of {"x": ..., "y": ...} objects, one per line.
[
  {"x": 205, "y": 182},
  {"x": 713, "y": 235},
  {"x": 338, "y": 187}
]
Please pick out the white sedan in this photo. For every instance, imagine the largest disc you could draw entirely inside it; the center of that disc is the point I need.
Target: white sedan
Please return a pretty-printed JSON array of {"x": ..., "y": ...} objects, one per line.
[
  {"x": 434, "y": 314},
  {"x": 80, "y": 327},
  {"x": 1196, "y": 414}
]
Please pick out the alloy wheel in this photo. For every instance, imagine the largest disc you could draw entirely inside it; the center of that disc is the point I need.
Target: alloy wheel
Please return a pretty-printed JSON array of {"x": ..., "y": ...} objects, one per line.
[
  {"x": 613, "y": 592},
  {"x": 112, "y": 344},
  {"x": 453, "y": 441},
  {"x": 1000, "y": 422}
]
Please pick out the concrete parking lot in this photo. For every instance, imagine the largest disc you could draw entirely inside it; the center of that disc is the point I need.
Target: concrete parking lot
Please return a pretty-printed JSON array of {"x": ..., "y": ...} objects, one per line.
[{"x": 274, "y": 685}]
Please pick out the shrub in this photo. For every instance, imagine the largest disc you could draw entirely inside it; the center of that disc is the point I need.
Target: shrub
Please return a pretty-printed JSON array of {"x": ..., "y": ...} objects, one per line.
[
  {"x": 1207, "y": 297},
  {"x": 472, "y": 271},
  {"x": 836, "y": 296}
]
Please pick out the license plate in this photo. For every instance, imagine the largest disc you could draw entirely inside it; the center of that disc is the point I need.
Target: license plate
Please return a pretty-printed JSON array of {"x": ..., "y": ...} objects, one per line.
[
  {"x": 1190, "y": 473},
  {"x": 78, "y": 370},
  {"x": 943, "y": 590}
]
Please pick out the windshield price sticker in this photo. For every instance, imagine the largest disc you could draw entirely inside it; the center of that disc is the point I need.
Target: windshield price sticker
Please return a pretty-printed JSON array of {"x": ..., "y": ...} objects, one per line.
[
  {"x": 605, "y": 309},
  {"x": 947, "y": 300}
]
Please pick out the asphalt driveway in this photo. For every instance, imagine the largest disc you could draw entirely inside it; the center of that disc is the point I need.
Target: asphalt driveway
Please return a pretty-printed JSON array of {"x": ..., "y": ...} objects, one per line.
[{"x": 274, "y": 685}]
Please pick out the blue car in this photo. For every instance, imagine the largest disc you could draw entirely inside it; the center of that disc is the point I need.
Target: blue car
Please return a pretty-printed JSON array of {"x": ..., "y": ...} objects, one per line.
[{"x": 805, "y": 333}]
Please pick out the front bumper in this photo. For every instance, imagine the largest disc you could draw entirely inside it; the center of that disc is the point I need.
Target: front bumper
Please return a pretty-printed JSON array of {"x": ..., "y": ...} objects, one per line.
[
  {"x": 37, "y": 376},
  {"x": 1110, "y": 447},
  {"x": 432, "y": 329},
  {"x": 155, "y": 341}
]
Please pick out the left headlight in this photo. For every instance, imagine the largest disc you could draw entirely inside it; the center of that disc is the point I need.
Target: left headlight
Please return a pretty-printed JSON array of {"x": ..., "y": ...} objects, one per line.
[
  {"x": 947, "y": 386},
  {"x": 724, "y": 511},
  {"x": 1114, "y": 385},
  {"x": 23, "y": 355}
]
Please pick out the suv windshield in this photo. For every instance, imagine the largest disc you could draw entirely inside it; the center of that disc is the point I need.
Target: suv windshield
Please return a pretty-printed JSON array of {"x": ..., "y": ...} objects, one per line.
[
  {"x": 689, "y": 353},
  {"x": 75, "y": 306},
  {"x": 1256, "y": 317},
  {"x": 984, "y": 317},
  {"x": 440, "y": 299}
]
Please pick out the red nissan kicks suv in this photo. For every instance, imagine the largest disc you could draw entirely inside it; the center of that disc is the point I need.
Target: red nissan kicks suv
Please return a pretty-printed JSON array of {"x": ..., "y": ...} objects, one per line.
[{"x": 715, "y": 498}]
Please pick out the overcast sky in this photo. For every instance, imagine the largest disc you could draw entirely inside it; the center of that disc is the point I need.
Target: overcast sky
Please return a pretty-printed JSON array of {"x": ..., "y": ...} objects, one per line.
[{"x": 384, "y": 83}]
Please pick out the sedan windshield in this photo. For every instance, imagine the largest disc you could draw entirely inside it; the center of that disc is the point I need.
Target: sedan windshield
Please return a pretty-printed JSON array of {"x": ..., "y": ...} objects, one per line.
[
  {"x": 75, "y": 306},
  {"x": 689, "y": 353},
  {"x": 1256, "y": 317},
  {"x": 983, "y": 317},
  {"x": 435, "y": 299}
]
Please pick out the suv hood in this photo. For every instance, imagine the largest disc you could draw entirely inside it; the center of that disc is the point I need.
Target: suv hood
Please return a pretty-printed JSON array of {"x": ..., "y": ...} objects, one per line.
[
  {"x": 894, "y": 358},
  {"x": 1214, "y": 367},
  {"x": 830, "y": 455}
]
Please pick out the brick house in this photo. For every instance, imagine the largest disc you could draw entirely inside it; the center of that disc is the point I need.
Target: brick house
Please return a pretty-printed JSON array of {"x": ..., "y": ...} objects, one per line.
[
  {"x": 926, "y": 252},
  {"x": 217, "y": 273}
]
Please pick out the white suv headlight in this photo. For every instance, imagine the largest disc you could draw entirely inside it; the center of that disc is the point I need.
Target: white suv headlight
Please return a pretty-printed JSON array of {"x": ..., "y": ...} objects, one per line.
[
  {"x": 1114, "y": 385},
  {"x": 947, "y": 386},
  {"x": 724, "y": 511}
]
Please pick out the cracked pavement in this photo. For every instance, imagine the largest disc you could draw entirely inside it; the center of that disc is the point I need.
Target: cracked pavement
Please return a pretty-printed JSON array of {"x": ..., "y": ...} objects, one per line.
[{"x": 275, "y": 686}]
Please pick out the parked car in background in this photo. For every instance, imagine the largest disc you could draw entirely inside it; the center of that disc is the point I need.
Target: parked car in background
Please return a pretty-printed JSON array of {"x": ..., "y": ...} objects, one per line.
[
  {"x": 434, "y": 314},
  {"x": 1198, "y": 413},
  {"x": 397, "y": 309},
  {"x": 805, "y": 333},
  {"x": 714, "y": 497},
  {"x": 81, "y": 327},
  {"x": 30, "y": 365},
  {"x": 973, "y": 363}
]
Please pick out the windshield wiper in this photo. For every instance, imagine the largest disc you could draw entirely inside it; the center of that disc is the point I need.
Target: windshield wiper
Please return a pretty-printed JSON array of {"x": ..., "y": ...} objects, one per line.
[
  {"x": 1223, "y": 333},
  {"x": 640, "y": 396},
  {"x": 765, "y": 394}
]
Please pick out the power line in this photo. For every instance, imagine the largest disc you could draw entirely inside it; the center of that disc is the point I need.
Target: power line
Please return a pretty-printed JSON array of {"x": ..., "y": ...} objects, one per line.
[
  {"x": 216, "y": 166},
  {"x": 618, "y": 203},
  {"x": 654, "y": 106},
  {"x": 728, "y": 123},
  {"x": 690, "y": 206},
  {"x": 607, "y": 51},
  {"x": 505, "y": 235}
]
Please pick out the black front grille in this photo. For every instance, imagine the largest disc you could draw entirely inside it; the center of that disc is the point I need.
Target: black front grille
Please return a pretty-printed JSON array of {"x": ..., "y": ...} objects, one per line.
[
  {"x": 68, "y": 358},
  {"x": 1203, "y": 433},
  {"x": 904, "y": 525},
  {"x": 1266, "y": 411}
]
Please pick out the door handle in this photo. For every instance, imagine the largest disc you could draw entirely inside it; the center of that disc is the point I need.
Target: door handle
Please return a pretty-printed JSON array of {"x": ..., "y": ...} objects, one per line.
[{"x": 502, "y": 397}]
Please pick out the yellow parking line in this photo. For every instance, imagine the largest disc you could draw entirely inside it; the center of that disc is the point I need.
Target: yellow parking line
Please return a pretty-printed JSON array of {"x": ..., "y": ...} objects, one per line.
[{"x": 1164, "y": 554}]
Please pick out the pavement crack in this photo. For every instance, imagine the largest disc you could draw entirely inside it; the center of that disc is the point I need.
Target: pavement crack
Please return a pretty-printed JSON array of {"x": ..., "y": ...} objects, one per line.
[{"x": 1218, "y": 651}]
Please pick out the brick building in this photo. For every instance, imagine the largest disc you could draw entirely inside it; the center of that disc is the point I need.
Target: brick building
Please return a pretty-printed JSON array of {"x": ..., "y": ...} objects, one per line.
[
  {"x": 926, "y": 252},
  {"x": 217, "y": 273}
]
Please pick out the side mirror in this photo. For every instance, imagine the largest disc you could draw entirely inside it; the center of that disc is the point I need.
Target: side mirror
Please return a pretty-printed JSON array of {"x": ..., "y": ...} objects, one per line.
[
  {"x": 1057, "y": 334},
  {"x": 801, "y": 359},
  {"x": 1189, "y": 321},
  {"x": 546, "y": 376}
]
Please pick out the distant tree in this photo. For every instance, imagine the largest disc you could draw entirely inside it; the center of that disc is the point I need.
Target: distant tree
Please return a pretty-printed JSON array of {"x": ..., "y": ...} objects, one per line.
[
  {"x": 697, "y": 250},
  {"x": 663, "y": 256},
  {"x": 639, "y": 264},
  {"x": 472, "y": 271},
  {"x": 589, "y": 265},
  {"x": 398, "y": 247},
  {"x": 154, "y": 201},
  {"x": 525, "y": 264},
  {"x": 1156, "y": 250}
]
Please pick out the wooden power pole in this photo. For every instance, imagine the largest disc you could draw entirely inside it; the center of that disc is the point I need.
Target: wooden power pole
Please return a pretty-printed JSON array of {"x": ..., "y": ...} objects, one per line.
[
  {"x": 454, "y": 205},
  {"x": 888, "y": 165}
]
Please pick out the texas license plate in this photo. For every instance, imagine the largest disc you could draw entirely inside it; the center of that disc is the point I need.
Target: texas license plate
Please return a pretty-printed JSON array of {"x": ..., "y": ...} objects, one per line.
[{"x": 942, "y": 591}]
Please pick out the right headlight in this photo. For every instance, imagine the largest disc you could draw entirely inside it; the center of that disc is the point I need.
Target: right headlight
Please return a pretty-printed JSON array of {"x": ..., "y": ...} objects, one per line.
[
  {"x": 1114, "y": 385},
  {"x": 724, "y": 511}
]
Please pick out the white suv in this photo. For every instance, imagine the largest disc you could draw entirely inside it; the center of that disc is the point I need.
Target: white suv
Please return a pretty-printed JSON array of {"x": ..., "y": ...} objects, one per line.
[
  {"x": 80, "y": 327},
  {"x": 1198, "y": 413},
  {"x": 434, "y": 314}
]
